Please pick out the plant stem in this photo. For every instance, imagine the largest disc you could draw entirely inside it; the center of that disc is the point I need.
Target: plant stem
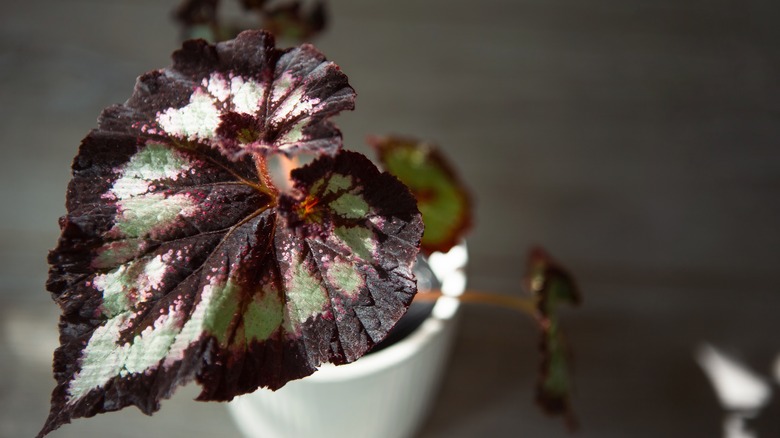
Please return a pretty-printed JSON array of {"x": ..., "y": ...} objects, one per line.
[
  {"x": 521, "y": 304},
  {"x": 266, "y": 183}
]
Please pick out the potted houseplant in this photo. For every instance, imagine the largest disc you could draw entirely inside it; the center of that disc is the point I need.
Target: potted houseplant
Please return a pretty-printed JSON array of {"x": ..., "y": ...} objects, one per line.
[{"x": 181, "y": 259}]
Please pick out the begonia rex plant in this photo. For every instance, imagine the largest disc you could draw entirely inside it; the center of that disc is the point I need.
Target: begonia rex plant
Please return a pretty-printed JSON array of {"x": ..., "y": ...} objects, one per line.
[{"x": 181, "y": 259}]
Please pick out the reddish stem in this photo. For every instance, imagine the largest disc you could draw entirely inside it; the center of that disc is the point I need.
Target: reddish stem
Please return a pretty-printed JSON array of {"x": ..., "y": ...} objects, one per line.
[{"x": 266, "y": 183}]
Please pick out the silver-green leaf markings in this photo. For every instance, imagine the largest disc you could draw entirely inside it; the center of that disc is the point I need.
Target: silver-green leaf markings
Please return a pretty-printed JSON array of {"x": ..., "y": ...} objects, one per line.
[
  {"x": 178, "y": 260},
  {"x": 239, "y": 97}
]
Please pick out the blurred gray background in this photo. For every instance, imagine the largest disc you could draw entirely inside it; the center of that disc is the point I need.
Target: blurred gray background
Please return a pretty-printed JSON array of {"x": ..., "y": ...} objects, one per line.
[{"x": 637, "y": 140}]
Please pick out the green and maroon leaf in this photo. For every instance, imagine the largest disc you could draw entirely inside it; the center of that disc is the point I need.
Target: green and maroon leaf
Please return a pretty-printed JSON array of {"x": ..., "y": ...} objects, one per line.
[
  {"x": 177, "y": 262},
  {"x": 199, "y": 19},
  {"x": 239, "y": 97},
  {"x": 297, "y": 20},
  {"x": 441, "y": 196},
  {"x": 293, "y": 19},
  {"x": 196, "y": 12},
  {"x": 553, "y": 285}
]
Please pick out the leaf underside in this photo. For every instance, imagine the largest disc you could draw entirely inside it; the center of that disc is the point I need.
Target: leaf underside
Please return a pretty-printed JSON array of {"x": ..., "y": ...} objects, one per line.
[
  {"x": 176, "y": 260},
  {"x": 552, "y": 286},
  {"x": 442, "y": 198}
]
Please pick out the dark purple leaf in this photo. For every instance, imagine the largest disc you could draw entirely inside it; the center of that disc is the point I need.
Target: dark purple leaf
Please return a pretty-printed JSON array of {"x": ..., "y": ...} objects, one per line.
[
  {"x": 177, "y": 261},
  {"x": 195, "y": 12},
  {"x": 199, "y": 19},
  {"x": 295, "y": 19}
]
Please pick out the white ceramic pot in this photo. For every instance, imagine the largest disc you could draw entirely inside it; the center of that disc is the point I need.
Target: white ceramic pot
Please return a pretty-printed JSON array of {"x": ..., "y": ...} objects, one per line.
[{"x": 385, "y": 394}]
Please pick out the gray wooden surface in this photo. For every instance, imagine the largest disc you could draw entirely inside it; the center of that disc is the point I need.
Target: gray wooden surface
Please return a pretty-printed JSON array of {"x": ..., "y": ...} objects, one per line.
[{"x": 636, "y": 139}]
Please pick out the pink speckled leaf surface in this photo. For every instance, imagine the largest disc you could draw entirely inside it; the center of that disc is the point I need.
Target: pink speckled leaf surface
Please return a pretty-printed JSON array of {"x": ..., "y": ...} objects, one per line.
[
  {"x": 241, "y": 96},
  {"x": 178, "y": 261}
]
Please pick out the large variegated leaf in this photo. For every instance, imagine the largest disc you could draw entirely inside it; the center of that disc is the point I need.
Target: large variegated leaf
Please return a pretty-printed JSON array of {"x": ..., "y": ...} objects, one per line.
[
  {"x": 237, "y": 97},
  {"x": 178, "y": 262}
]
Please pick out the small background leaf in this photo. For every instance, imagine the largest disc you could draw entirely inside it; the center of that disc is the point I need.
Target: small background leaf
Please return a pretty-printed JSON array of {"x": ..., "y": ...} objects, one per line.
[
  {"x": 552, "y": 286},
  {"x": 239, "y": 97},
  {"x": 297, "y": 20},
  {"x": 441, "y": 197}
]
